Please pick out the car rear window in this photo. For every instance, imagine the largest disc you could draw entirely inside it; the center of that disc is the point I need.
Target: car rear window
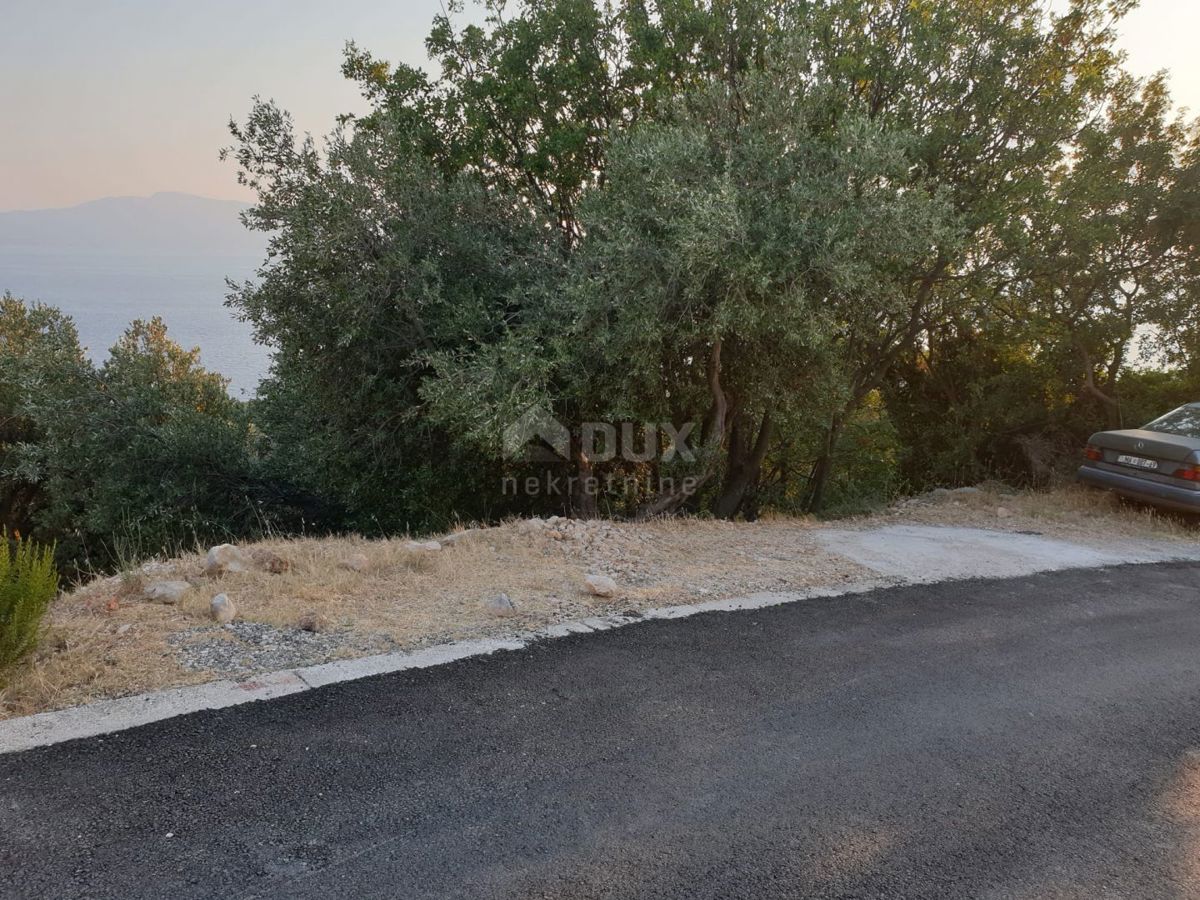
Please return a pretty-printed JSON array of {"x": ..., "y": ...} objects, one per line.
[{"x": 1184, "y": 421}]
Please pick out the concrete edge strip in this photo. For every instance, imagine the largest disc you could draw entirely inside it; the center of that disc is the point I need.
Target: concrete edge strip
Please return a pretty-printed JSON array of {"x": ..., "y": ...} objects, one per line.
[{"x": 108, "y": 716}]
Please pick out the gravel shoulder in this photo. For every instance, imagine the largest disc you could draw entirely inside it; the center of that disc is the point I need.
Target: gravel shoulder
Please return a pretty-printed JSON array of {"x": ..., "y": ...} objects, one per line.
[{"x": 313, "y": 601}]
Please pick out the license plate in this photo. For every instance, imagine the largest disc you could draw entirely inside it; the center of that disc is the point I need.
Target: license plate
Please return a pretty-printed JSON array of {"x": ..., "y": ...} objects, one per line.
[{"x": 1138, "y": 462}]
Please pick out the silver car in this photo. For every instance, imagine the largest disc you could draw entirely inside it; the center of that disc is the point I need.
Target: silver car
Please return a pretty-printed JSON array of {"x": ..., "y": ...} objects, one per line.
[{"x": 1158, "y": 464}]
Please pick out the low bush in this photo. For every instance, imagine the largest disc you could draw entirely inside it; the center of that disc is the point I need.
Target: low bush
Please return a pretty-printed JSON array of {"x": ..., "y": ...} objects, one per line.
[{"x": 28, "y": 582}]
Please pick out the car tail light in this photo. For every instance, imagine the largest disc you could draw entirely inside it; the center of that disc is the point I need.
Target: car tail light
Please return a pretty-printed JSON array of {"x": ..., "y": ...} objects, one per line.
[
  {"x": 1188, "y": 473},
  {"x": 1093, "y": 453}
]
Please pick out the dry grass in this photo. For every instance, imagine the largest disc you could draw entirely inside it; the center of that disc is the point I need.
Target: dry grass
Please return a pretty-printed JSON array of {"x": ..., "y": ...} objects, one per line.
[
  {"x": 104, "y": 640},
  {"x": 1071, "y": 512}
]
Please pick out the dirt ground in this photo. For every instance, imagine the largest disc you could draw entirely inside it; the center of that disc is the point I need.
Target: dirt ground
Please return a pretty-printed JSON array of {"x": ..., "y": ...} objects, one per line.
[{"x": 348, "y": 597}]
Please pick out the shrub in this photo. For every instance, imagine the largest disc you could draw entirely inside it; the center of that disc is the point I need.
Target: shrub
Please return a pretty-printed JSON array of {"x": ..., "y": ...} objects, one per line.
[
  {"x": 28, "y": 582},
  {"x": 143, "y": 456}
]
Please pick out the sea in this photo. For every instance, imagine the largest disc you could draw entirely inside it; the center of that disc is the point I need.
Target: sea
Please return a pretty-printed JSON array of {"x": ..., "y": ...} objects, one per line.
[{"x": 104, "y": 291}]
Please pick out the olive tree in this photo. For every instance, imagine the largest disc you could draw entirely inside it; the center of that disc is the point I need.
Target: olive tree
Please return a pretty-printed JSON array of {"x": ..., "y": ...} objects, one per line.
[{"x": 377, "y": 262}]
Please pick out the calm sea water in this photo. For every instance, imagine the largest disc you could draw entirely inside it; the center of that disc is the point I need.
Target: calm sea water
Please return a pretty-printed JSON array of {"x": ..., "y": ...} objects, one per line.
[{"x": 104, "y": 292}]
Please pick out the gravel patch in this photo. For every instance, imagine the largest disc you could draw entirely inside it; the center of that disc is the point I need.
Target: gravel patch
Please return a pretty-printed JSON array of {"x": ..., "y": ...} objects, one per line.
[{"x": 244, "y": 648}]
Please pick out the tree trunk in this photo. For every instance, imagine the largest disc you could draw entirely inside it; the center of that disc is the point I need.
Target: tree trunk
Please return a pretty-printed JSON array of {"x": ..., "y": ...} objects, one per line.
[
  {"x": 583, "y": 495},
  {"x": 823, "y": 469},
  {"x": 716, "y": 426},
  {"x": 1111, "y": 406},
  {"x": 745, "y": 466}
]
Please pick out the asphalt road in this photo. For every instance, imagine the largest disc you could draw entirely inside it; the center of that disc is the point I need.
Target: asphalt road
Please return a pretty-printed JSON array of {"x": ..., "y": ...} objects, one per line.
[{"x": 1027, "y": 738}]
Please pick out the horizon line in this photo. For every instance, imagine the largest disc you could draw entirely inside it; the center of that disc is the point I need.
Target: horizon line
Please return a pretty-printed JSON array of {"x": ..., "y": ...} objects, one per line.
[{"x": 149, "y": 196}]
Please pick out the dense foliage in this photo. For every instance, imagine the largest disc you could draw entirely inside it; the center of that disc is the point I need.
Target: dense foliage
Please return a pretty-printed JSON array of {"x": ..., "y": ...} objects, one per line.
[
  {"x": 851, "y": 247},
  {"x": 860, "y": 244},
  {"x": 145, "y": 454}
]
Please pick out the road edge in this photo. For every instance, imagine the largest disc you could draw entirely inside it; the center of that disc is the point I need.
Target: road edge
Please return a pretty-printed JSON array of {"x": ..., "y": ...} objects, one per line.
[{"x": 120, "y": 714}]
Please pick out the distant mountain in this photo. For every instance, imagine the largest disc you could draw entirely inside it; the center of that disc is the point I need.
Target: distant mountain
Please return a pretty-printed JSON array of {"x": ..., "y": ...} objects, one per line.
[
  {"x": 110, "y": 261},
  {"x": 166, "y": 224}
]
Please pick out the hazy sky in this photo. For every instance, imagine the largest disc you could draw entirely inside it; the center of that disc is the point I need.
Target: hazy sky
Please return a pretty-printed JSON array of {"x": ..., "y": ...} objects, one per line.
[{"x": 110, "y": 97}]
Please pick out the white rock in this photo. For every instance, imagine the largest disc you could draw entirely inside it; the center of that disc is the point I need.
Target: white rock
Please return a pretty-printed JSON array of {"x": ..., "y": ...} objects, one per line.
[
  {"x": 222, "y": 609},
  {"x": 423, "y": 546},
  {"x": 458, "y": 537},
  {"x": 356, "y": 562},
  {"x": 226, "y": 558},
  {"x": 500, "y": 605},
  {"x": 270, "y": 561},
  {"x": 168, "y": 592},
  {"x": 1003, "y": 512},
  {"x": 600, "y": 585}
]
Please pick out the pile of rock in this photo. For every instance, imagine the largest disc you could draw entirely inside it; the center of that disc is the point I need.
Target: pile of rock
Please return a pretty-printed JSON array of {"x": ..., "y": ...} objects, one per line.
[
  {"x": 622, "y": 550},
  {"x": 583, "y": 534}
]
